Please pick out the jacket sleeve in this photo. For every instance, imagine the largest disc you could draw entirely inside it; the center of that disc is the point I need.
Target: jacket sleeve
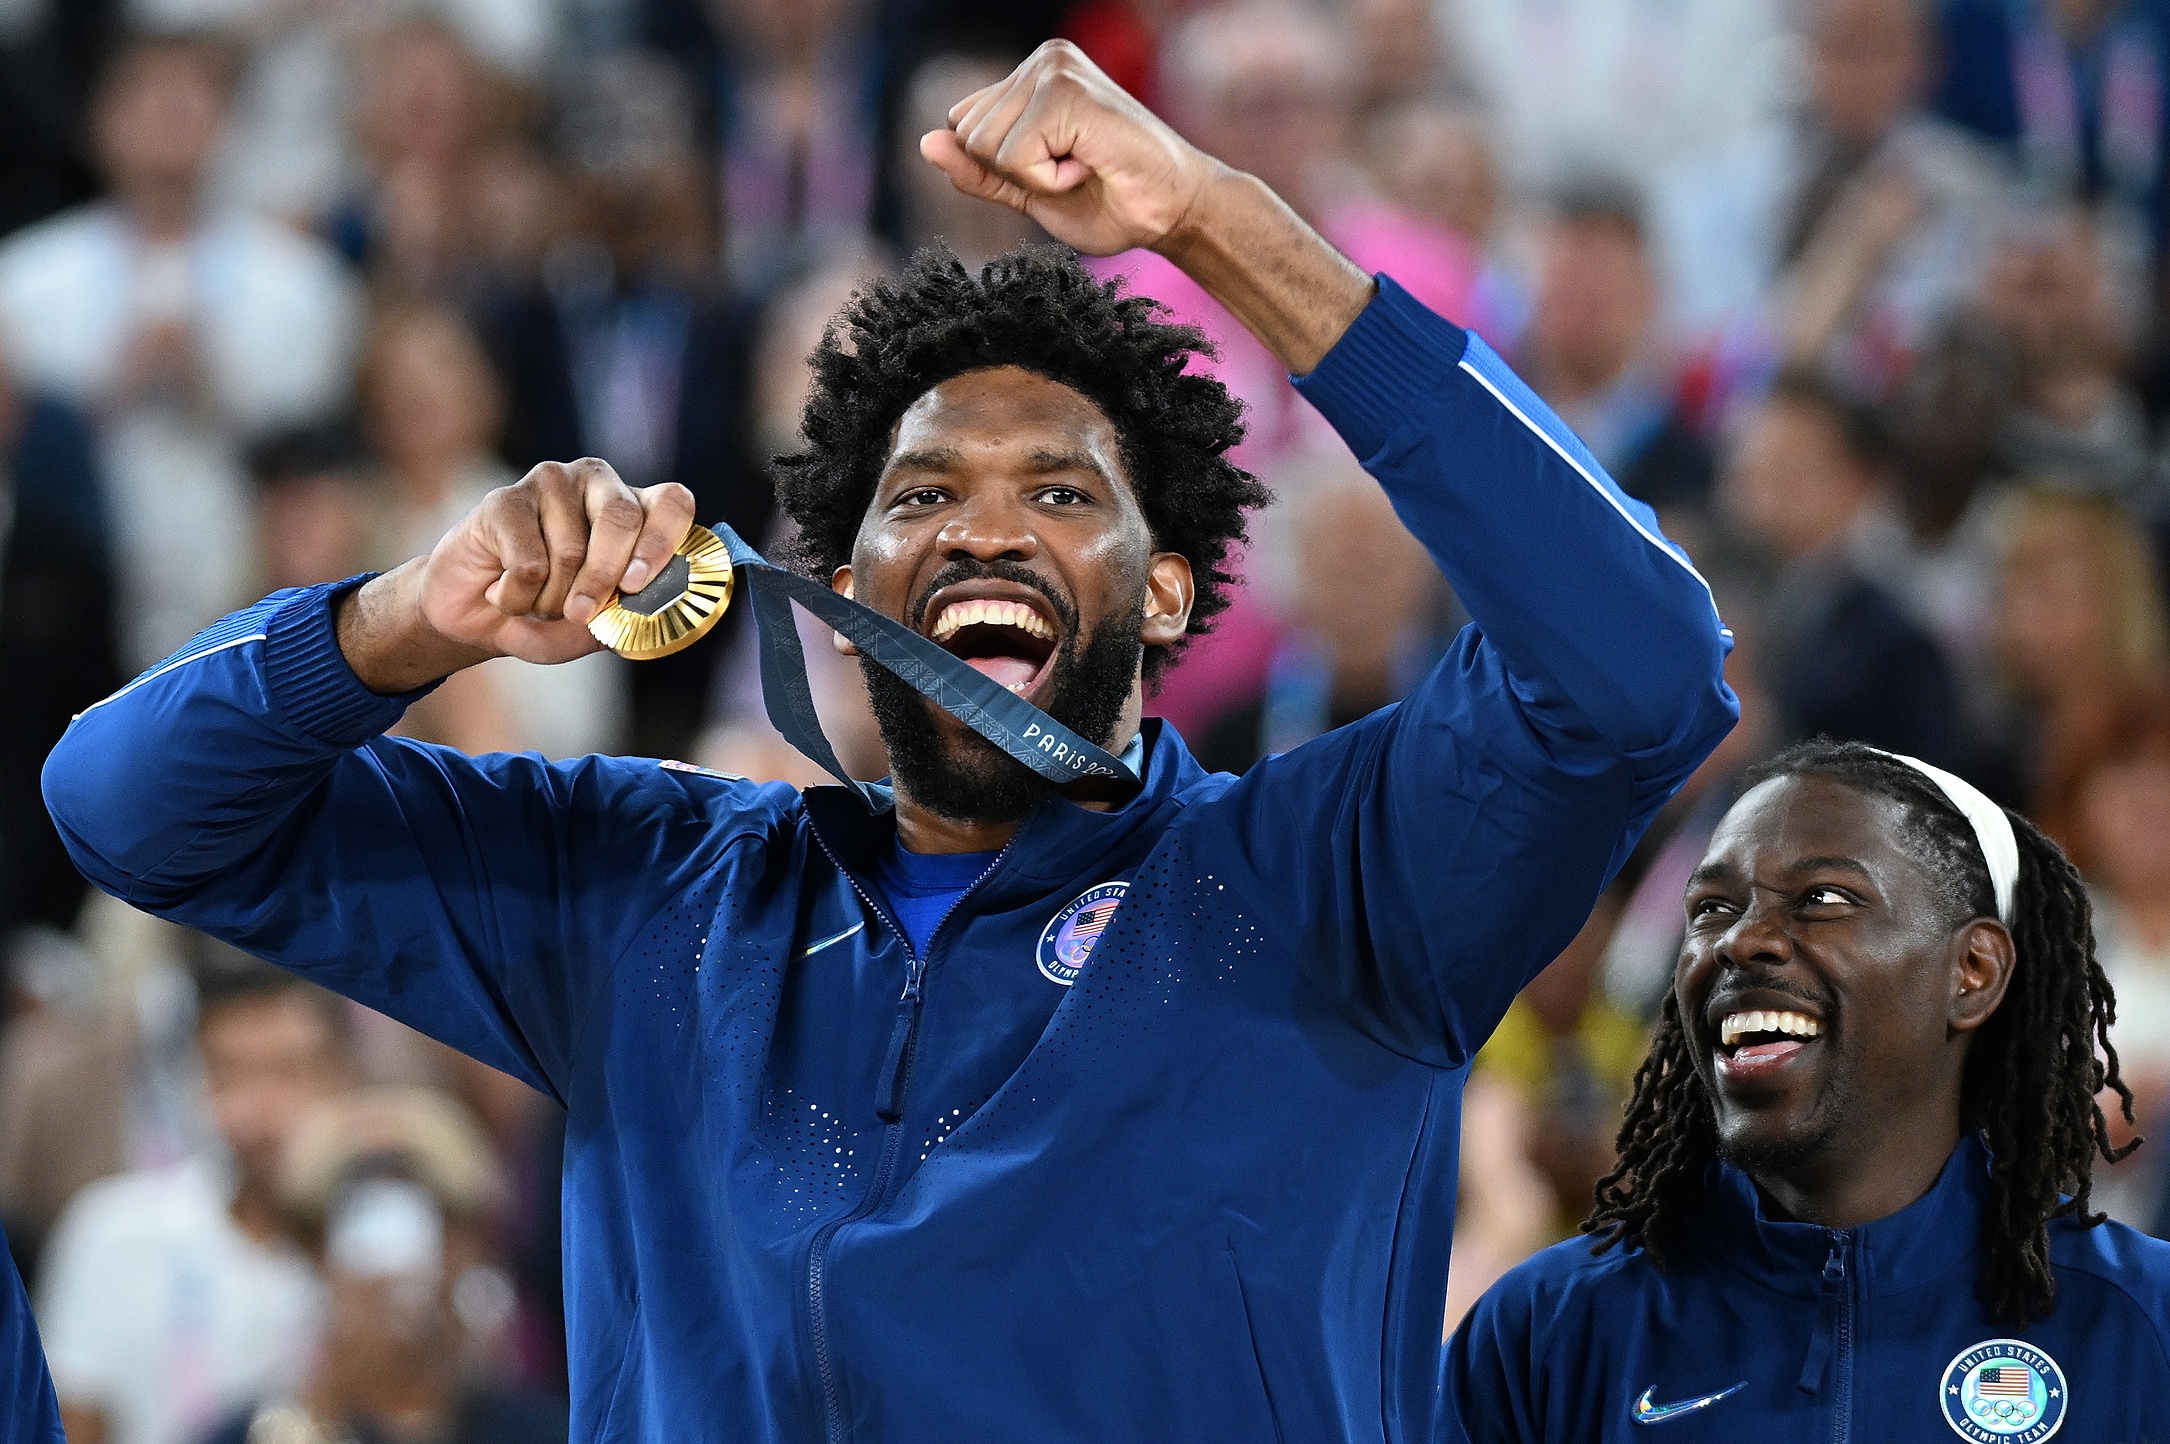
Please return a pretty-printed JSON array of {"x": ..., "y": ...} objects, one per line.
[
  {"x": 1432, "y": 857},
  {"x": 243, "y": 788}
]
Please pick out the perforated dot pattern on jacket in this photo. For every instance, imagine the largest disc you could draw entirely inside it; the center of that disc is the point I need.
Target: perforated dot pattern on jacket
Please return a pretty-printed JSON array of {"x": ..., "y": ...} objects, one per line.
[
  {"x": 1179, "y": 931},
  {"x": 817, "y": 1156},
  {"x": 703, "y": 965}
]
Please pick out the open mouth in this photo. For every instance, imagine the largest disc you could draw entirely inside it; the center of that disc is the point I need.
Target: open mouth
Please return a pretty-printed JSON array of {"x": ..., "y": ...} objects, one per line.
[
  {"x": 1757, "y": 1041},
  {"x": 1009, "y": 640}
]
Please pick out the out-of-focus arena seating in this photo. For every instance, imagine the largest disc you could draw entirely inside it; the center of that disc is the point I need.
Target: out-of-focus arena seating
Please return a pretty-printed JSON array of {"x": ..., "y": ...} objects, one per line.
[{"x": 1865, "y": 297}]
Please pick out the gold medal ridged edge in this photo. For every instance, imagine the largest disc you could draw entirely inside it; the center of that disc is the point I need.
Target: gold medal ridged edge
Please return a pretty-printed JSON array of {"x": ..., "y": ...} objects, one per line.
[{"x": 685, "y": 621}]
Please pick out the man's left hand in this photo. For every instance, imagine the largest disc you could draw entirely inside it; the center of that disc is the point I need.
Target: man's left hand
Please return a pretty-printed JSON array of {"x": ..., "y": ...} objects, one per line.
[{"x": 1061, "y": 142}]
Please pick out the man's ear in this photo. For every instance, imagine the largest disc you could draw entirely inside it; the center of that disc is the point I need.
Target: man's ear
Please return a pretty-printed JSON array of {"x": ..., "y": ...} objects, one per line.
[
  {"x": 1983, "y": 959},
  {"x": 841, "y": 583},
  {"x": 1169, "y": 593}
]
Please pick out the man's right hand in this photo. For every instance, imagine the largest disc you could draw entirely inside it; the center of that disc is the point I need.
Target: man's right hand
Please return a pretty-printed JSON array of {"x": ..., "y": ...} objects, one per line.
[{"x": 519, "y": 576}]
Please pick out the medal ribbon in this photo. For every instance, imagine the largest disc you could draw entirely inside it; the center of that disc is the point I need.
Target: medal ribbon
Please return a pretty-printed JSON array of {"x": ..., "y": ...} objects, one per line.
[{"x": 1084, "y": 773}]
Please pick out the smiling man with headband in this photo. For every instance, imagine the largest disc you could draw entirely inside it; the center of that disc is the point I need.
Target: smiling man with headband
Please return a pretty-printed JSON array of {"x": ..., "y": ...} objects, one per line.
[
  {"x": 1853, "y": 1194},
  {"x": 1058, "y": 1089}
]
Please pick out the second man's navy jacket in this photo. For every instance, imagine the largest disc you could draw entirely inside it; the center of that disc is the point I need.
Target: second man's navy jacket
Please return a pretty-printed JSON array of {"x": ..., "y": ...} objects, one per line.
[
  {"x": 1183, "y": 1170},
  {"x": 1786, "y": 1333}
]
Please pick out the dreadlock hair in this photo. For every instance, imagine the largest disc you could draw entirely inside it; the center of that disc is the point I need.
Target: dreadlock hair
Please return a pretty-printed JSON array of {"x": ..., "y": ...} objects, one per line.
[
  {"x": 1038, "y": 309},
  {"x": 2032, "y": 1075}
]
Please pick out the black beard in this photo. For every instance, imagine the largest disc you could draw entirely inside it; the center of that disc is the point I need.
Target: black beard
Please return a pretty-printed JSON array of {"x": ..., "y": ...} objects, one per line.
[
  {"x": 965, "y": 777},
  {"x": 1794, "y": 1155}
]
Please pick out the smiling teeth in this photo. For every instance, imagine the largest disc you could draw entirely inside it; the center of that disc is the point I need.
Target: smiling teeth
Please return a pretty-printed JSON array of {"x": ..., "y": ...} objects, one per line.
[
  {"x": 1738, "y": 1025},
  {"x": 984, "y": 613}
]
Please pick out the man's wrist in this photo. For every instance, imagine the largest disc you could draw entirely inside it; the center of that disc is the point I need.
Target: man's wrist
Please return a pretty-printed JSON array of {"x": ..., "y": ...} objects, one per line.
[
  {"x": 1255, "y": 255},
  {"x": 387, "y": 640}
]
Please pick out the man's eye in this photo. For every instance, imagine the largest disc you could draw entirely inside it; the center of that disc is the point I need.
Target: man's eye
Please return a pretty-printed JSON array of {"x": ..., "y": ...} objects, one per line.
[
  {"x": 1824, "y": 897},
  {"x": 1708, "y": 907},
  {"x": 923, "y": 496},
  {"x": 1063, "y": 496}
]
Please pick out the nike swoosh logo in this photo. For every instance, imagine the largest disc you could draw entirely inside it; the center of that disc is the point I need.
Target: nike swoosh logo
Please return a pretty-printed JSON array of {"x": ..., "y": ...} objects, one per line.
[
  {"x": 825, "y": 942},
  {"x": 1649, "y": 1413}
]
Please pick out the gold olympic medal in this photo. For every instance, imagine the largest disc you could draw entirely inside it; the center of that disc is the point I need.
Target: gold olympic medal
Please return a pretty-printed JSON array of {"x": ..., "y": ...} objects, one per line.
[{"x": 676, "y": 608}]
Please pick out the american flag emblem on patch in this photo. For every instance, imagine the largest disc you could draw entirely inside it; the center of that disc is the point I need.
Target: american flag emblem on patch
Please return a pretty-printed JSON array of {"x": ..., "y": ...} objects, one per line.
[
  {"x": 1093, "y": 919},
  {"x": 1072, "y": 933},
  {"x": 2005, "y": 1381}
]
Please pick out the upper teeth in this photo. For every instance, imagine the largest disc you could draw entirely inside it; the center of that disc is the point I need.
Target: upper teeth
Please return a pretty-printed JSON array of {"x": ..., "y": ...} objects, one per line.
[
  {"x": 988, "y": 613},
  {"x": 1738, "y": 1025}
]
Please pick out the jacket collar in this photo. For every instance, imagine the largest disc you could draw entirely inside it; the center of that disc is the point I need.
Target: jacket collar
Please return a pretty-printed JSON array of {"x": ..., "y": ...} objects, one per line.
[
  {"x": 1059, "y": 840},
  {"x": 1928, "y": 1238}
]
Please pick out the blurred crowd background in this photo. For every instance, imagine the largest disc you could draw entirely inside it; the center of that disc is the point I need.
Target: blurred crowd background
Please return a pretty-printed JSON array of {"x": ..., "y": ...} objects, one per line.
[{"x": 1866, "y": 297}]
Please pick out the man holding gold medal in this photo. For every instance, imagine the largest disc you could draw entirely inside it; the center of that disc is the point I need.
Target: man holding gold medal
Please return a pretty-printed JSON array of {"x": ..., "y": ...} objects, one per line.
[{"x": 1057, "y": 1089}]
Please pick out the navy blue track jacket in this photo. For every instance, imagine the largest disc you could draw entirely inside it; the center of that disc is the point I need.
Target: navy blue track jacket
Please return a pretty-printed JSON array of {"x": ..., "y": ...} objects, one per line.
[
  {"x": 1786, "y": 1333},
  {"x": 1198, "y": 1185}
]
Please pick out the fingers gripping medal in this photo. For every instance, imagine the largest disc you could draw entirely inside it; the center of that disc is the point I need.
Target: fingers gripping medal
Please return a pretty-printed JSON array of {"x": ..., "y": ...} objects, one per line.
[{"x": 676, "y": 609}]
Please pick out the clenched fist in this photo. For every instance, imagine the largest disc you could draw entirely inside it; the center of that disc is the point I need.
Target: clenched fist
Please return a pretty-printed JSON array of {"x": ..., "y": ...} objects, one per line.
[
  {"x": 519, "y": 576},
  {"x": 1070, "y": 148}
]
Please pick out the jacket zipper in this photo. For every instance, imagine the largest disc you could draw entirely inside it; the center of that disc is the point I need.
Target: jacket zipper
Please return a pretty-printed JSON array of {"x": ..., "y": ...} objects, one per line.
[
  {"x": 1835, "y": 1281},
  {"x": 896, "y": 1073}
]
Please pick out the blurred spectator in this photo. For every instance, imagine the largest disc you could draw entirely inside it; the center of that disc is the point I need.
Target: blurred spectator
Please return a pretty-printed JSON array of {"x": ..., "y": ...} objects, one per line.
[
  {"x": 421, "y": 119},
  {"x": 1571, "y": 1053},
  {"x": 1837, "y": 236},
  {"x": 1337, "y": 662},
  {"x": 48, "y": 53},
  {"x": 1629, "y": 85},
  {"x": 630, "y": 347},
  {"x": 1951, "y": 423},
  {"x": 2078, "y": 91},
  {"x": 56, "y": 634},
  {"x": 798, "y": 131},
  {"x": 1590, "y": 351},
  {"x": 394, "y": 1191},
  {"x": 1401, "y": 53},
  {"x": 1840, "y": 657},
  {"x": 185, "y": 329},
  {"x": 1435, "y": 161},
  {"x": 1271, "y": 86},
  {"x": 315, "y": 502},
  {"x": 2079, "y": 627},
  {"x": 1123, "y": 38},
  {"x": 98, "y": 1067},
  {"x": 432, "y": 404},
  {"x": 2052, "y": 293},
  {"x": 293, "y": 152},
  {"x": 935, "y": 210},
  {"x": 171, "y": 1296},
  {"x": 2122, "y": 842}
]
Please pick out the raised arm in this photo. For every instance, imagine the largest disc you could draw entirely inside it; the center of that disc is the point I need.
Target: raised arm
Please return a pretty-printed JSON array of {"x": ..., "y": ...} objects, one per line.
[{"x": 1432, "y": 857}]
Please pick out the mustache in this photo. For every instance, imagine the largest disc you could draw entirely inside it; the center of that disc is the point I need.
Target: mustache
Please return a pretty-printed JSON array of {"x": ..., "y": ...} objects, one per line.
[
  {"x": 1721, "y": 1000},
  {"x": 994, "y": 571}
]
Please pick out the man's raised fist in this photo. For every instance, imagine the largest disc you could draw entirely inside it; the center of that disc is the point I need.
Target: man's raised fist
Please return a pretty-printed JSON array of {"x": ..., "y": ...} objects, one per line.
[{"x": 1061, "y": 142}]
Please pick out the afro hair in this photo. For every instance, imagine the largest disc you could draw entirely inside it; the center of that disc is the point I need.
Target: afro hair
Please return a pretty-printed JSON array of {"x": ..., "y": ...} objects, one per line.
[{"x": 1037, "y": 309}]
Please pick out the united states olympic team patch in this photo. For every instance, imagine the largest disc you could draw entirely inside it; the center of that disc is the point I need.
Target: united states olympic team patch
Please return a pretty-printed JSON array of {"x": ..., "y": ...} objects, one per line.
[
  {"x": 2002, "y": 1391},
  {"x": 1071, "y": 933}
]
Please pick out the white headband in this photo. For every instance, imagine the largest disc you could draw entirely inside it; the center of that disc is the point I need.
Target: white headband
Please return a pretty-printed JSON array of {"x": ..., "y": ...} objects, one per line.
[{"x": 1992, "y": 829}]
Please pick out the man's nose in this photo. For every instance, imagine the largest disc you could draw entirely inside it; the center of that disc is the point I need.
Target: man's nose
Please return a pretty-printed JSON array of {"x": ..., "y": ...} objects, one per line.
[
  {"x": 1758, "y": 935},
  {"x": 989, "y": 529}
]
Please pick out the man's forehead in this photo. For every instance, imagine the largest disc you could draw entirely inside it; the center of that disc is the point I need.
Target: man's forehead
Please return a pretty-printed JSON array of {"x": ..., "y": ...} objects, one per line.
[
  {"x": 1003, "y": 406},
  {"x": 1788, "y": 819}
]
